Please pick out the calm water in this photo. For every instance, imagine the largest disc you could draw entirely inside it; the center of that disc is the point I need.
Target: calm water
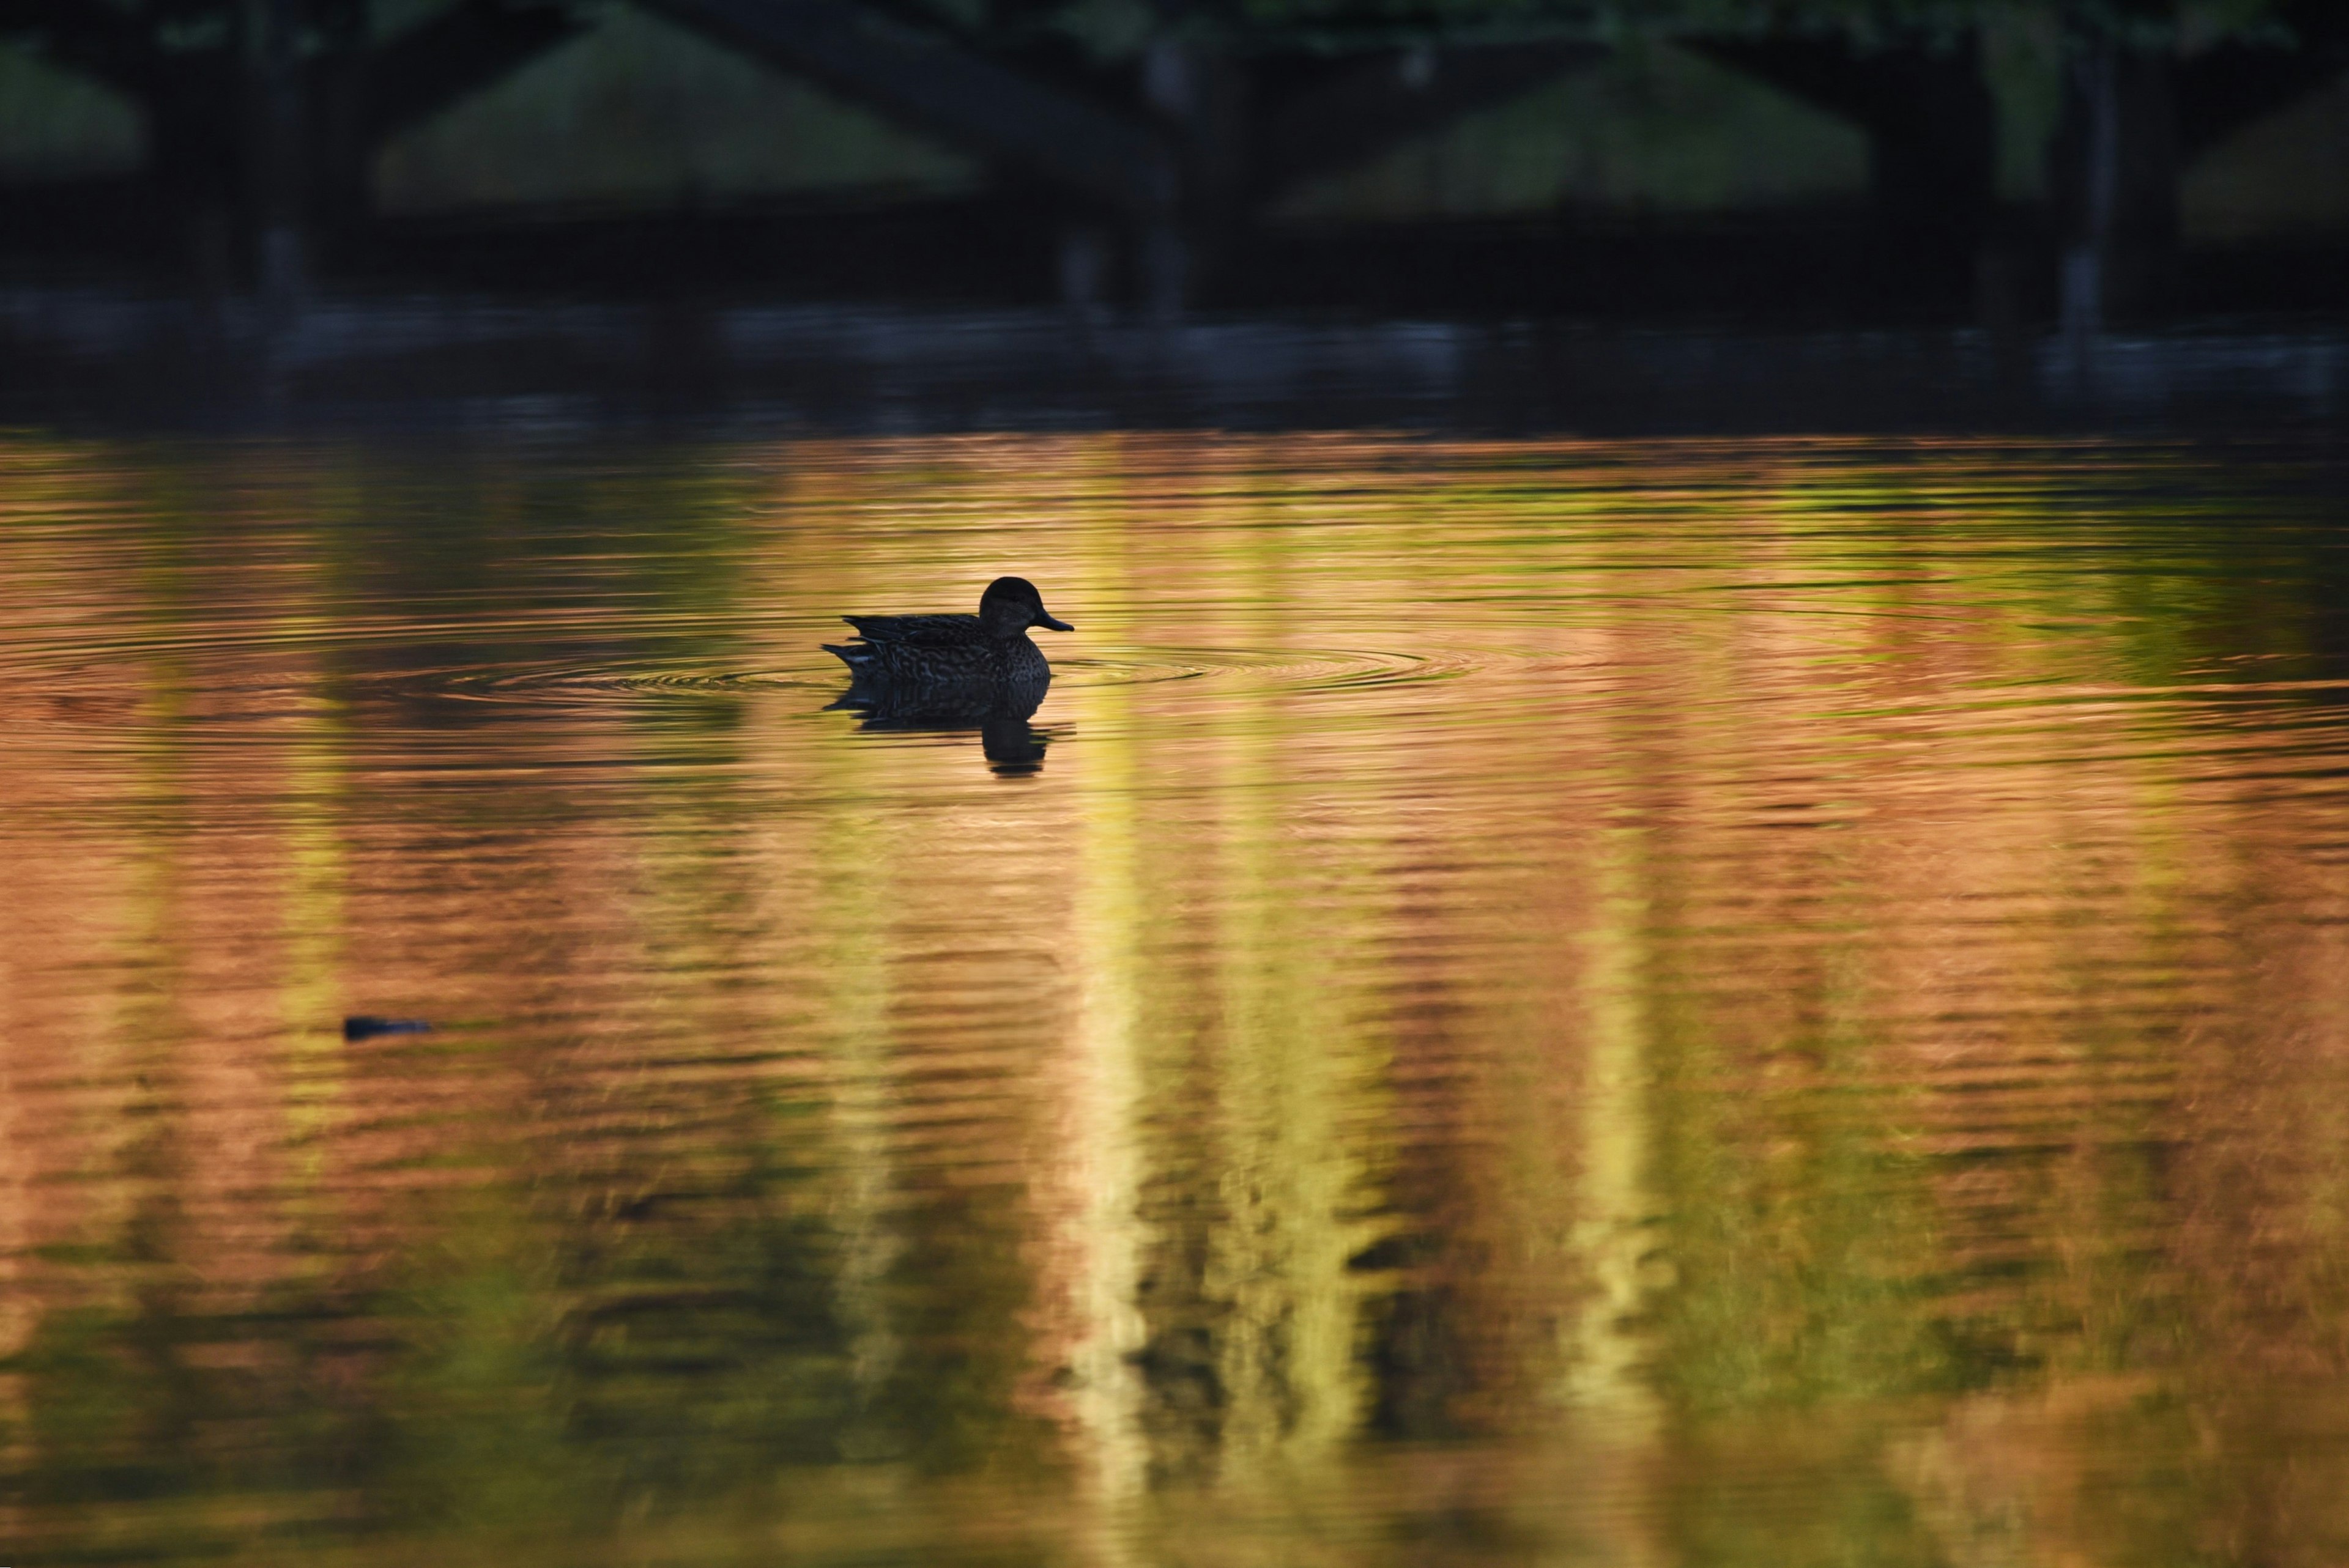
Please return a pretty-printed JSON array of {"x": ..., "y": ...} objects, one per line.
[{"x": 1645, "y": 1004}]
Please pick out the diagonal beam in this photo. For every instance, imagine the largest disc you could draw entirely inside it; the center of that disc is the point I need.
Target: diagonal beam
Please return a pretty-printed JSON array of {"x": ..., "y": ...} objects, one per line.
[
  {"x": 2225, "y": 88},
  {"x": 921, "y": 80},
  {"x": 1887, "y": 91},
  {"x": 1350, "y": 117},
  {"x": 95, "y": 40},
  {"x": 2230, "y": 86},
  {"x": 1932, "y": 126},
  {"x": 461, "y": 51}
]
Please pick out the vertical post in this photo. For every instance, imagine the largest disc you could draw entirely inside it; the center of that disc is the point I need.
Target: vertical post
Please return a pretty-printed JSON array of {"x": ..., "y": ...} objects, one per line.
[
  {"x": 1933, "y": 157},
  {"x": 2096, "y": 179},
  {"x": 277, "y": 153},
  {"x": 2117, "y": 182},
  {"x": 196, "y": 138},
  {"x": 2023, "y": 64},
  {"x": 1165, "y": 262},
  {"x": 1084, "y": 262},
  {"x": 1199, "y": 95},
  {"x": 1170, "y": 88},
  {"x": 336, "y": 188}
]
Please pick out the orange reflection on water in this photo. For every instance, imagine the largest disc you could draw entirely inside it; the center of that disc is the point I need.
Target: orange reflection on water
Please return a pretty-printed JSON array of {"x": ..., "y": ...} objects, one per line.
[{"x": 1678, "y": 997}]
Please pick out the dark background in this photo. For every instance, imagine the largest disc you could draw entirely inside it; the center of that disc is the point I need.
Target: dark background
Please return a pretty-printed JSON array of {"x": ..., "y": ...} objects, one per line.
[{"x": 2057, "y": 169}]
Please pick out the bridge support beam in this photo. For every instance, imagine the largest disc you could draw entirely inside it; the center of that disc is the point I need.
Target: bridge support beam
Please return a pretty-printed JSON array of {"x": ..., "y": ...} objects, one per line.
[
  {"x": 1932, "y": 130},
  {"x": 2225, "y": 87},
  {"x": 259, "y": 138},
  {"x": 2133, "y": 119},
  {"x": 2115, "y": 182},
  {"x": 967, "y": 98},
  {"x": 267, "y": 124},
  {"x": 1181, "y": 156},
  {"x": 1250, "y": 130},
  {"x": 412, "y": 76},
  {"x": 1322, "y": 116}
]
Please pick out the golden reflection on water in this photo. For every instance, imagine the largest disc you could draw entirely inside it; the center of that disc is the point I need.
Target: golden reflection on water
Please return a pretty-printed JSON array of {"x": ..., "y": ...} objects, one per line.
[{"x": 1670, "y": 1003}]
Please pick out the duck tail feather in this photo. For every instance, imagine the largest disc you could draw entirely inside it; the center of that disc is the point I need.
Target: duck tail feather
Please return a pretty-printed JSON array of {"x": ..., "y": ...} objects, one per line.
[{"x": 855, "y": 655}]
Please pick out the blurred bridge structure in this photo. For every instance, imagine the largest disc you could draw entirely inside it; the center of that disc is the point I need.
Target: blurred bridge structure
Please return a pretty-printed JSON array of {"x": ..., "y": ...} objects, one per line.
[{"x": 264, "y": 118}]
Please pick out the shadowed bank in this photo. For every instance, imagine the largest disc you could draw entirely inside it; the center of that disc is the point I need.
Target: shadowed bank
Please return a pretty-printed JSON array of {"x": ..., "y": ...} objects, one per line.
[{"x": 2008, "y": 163}]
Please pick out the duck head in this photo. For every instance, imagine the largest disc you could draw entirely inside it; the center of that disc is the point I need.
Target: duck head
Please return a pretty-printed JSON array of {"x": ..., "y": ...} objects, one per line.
[{"x": 1010, "y": 605}]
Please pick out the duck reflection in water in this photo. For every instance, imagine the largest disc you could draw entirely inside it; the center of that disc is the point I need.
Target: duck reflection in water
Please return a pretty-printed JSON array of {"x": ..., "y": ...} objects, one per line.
[{"x": 952, "y": 672}]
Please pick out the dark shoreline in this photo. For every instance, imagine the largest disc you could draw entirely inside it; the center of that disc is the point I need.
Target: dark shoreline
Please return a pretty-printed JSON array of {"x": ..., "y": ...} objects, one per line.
[{"x": 116, "y": 359}]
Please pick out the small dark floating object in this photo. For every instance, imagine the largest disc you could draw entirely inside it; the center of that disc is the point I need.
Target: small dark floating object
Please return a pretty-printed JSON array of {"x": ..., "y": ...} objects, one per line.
[{"x": 359, "y": 1027}]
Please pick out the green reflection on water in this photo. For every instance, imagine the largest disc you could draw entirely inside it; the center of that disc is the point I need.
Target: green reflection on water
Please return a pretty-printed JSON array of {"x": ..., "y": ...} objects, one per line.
[{"x": 1683, "y": 1003}]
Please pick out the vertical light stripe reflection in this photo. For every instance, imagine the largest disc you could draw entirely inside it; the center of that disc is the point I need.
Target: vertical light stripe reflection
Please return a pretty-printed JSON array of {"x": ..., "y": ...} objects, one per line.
[
  {"x": 1606, "y": 1389},
  {"x": 1100, "y": 1150}
]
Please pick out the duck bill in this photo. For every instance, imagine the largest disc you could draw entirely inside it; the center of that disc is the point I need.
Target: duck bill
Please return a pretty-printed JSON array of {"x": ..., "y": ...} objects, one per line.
[{"x": 1044, "y": 618}]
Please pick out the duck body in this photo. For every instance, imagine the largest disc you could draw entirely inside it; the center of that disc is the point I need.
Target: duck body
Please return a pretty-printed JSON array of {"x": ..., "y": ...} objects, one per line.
[{"x": 952, "y": 666}]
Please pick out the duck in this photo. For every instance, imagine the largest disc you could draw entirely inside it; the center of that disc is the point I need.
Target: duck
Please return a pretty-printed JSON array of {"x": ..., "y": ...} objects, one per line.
[{"x": 966, "y": 666}]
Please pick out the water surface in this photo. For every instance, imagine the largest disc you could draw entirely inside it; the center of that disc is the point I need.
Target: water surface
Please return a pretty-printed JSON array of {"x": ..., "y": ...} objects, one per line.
[{"x": 1636, "y": 1002}]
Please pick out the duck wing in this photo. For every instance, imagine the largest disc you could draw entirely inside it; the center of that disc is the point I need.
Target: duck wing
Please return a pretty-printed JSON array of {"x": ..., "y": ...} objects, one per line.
[{"x": 919, "y": 631}]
